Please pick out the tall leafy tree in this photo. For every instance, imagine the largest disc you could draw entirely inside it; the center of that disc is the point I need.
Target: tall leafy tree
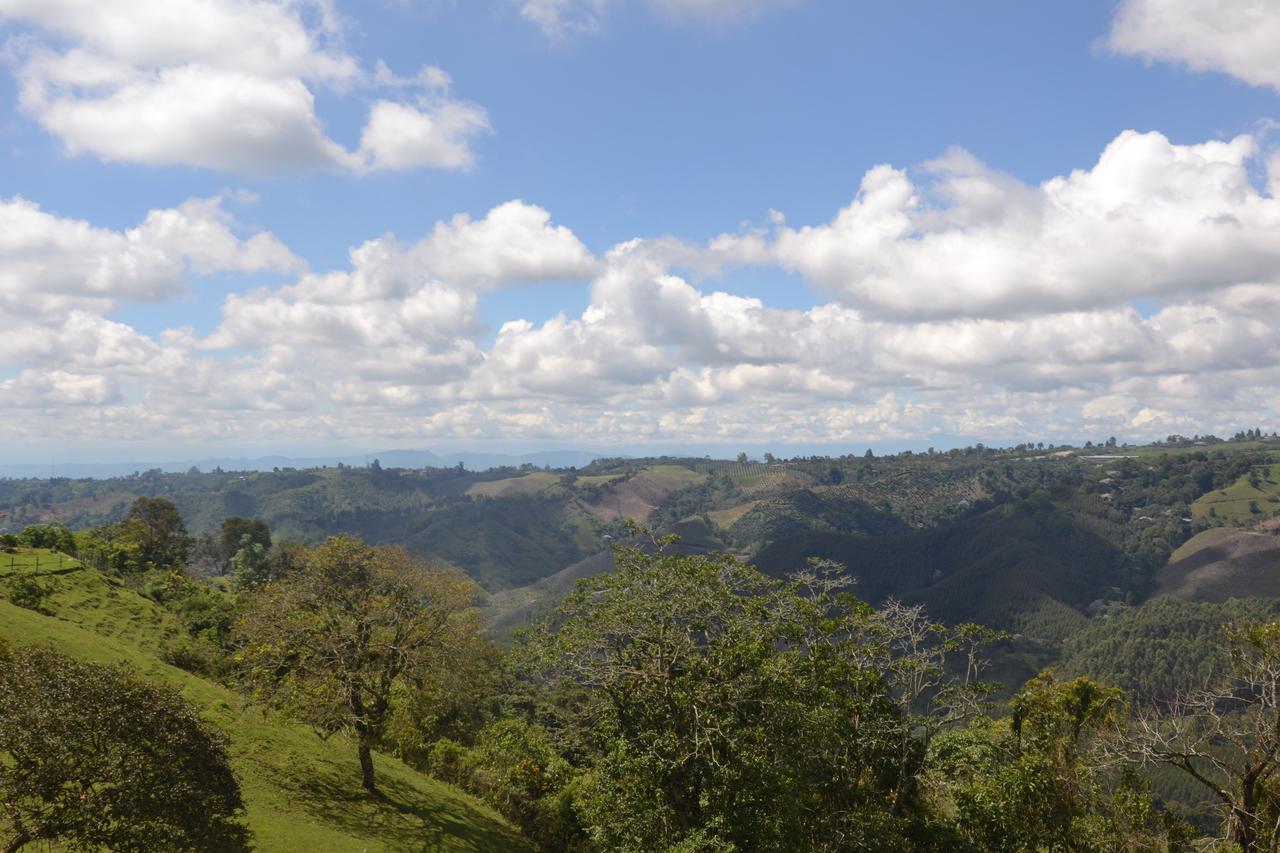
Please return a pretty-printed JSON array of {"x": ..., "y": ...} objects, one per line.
[
  {"x": 727, "y": 710},
  {"x": 331, "y": 641},
  {"x": 155, "y": 527},
  {"x": 233, "y": 530},
  {"x": 94, "y": 757},
  {"x": 1045, "y": 778}
]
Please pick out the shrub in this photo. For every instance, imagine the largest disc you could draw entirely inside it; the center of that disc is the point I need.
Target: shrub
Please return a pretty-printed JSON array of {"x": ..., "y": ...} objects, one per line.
[{"x": 94, "y": 757}]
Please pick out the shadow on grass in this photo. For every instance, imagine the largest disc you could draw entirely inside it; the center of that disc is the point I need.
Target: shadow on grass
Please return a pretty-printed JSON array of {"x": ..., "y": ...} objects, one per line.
[{"x": 400, "y": 816}]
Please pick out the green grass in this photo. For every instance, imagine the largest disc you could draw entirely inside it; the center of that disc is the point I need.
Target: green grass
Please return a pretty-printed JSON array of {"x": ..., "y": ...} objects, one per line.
[
  {"x": 673, "y": 476},
  {"x": 725, "y": 518},
  {"x": 598, "y": 479},
  {"x": 36, "y": 561},
  {"x": 530, "y": 484},
  {"x": 1232, "y": 503},
  {"x": 301, "y": 792}
]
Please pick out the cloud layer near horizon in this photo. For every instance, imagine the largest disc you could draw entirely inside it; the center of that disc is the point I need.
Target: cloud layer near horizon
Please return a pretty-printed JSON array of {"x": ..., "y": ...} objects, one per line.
[{"x": 951, "y": 299}]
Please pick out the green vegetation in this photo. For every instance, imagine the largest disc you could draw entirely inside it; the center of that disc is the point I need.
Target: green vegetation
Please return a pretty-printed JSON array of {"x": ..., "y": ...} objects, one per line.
[
  {"x": 332, "y": 642},
  {"x": 715, "y": 708},
  {"x": 298, "y": 790},
  {"x": 529, "y": 484},
  {"x": 1162, "y": 649},
  {"x": 1243, "y": 501},
  {"x": 677, "y": 697},
  {"x": 92, "y": 756},
  {"x": 1017, "y": 567}
]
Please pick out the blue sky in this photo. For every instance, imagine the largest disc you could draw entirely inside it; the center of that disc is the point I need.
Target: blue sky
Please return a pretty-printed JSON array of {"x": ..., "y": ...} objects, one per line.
[{"x": 1002, "y": 282}]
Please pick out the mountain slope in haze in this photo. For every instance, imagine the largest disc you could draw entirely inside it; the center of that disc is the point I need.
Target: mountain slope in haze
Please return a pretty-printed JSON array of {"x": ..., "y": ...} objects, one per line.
[{"x": 300, "y": 792}]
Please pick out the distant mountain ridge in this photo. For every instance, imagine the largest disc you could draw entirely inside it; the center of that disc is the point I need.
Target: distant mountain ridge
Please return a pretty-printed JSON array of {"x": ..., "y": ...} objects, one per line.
[{"x": 474, "y": 461}]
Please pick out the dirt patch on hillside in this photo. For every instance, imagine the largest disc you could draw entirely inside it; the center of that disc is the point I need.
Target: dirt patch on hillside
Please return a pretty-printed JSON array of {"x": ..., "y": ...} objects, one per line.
[
  {"x": 1224, "y": 563},
  {"x": 639, "y": 495}
]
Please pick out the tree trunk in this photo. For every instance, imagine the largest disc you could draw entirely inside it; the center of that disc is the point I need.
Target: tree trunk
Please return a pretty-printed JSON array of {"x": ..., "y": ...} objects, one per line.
[
  {"x": 1244, "y": 831},
  {"x": 22, "y": 839},
  {"x": 366, "y": 766}
]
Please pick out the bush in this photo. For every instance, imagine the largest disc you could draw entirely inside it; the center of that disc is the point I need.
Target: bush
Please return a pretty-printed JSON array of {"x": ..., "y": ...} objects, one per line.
[
  {"x": 93, "y": 757},
  {"x": 514, "y": 768},
  {"x": 26, "y": 592},
  {"x": 196, "y": 656}
]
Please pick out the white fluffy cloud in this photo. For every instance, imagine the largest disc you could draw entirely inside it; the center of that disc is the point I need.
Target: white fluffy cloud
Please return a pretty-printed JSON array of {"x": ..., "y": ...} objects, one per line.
[
  {"x": 223, "y": 84},
  {"x": 966, "y": 303},
  {"x": 50, "y": 265},
  {"x": 403, "y": 317},
  {"x": 1150, "y": 219},
  {"x": 562, "y": 18},
  {"x": 1238, "y": 37}
]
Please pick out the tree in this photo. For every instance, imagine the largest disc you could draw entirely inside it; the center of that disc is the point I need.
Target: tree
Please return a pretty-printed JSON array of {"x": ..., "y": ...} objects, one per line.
[
  {"x": 729, "y": 710},
  {"x": 55, "y": 536},
  {"x": 251, "y": 564},
  {"x": 233, "y": 530},
  {"x": 92, "y": 756},
  {"x": 331, "y": 641},
  {"x": 1226, "y": 736},
  {"x": 157, "y": 529},
  {"x": 1043, "y": 778}
]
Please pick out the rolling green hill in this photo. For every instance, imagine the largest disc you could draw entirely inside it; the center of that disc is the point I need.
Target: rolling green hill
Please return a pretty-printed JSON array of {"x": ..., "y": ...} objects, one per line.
[{"x": 301, "y": 792}]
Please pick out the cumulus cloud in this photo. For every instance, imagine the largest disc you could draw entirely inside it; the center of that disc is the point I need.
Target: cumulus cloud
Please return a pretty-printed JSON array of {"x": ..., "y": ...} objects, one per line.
[
  {"x": 50, "y": 264},
  {"x": 961, "y": 303},
  {"x": 1237, "y": 37},
  {"x": 1151, "y": 219},
  {"x": 402, "y": 315},
  {"x": 223, "y": 84}
]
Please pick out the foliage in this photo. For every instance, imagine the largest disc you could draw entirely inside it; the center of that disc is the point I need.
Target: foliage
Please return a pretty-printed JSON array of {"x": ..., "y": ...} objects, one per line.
[
  {"x": 232, "y": 533},
  {"x": 331, "y": 642},
  {"x": 1039, "y": 779},
  {"x": 729, "y": 709},
  {"x": 25, "y": 591},
  {"x": 151, "y": 537},
  {"x": 92, "y": 756},
  {"x": 515, "y": 767},
  {"x": 159, "y": 531},
  {"x": 1006, "y": 567},
  {"x": 1226, "y": 736},
  {"x": 56, "y": 537},
  {"x": 1159, "y": 650},
  {"x": 251, "y": 564}
]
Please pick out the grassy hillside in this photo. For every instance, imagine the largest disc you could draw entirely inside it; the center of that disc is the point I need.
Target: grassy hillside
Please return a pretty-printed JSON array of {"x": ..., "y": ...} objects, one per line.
[
  {"x": 39, "y": 560},
  {"x": 301, "y": 792},
  {"x": 528, "y": 484},
  {"x": 1253, "y": 497}
]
